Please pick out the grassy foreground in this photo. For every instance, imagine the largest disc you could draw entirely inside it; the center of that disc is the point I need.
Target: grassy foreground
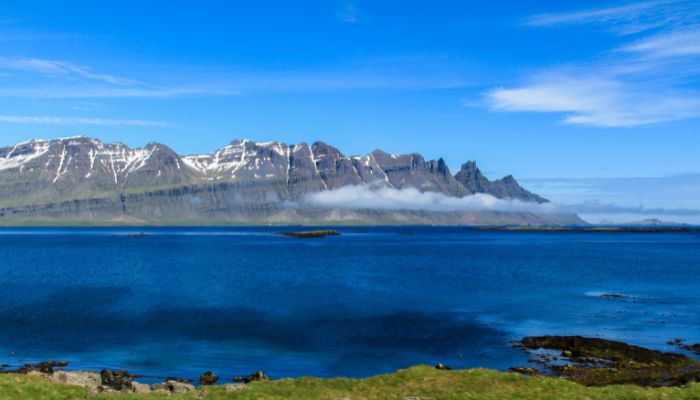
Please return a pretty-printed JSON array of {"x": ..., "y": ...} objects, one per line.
[{"x": 417, "y": 382}]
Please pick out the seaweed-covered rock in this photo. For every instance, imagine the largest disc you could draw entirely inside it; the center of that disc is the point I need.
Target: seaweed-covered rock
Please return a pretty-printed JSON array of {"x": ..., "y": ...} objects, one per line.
[
  {"x": 255, "y": 376},
  {"x": 116, "y": 380},
  {"x": 208, "y": 378},
  {"x": 176, "y": 379},
  {"x": 45, "y": 367},
  {"x": 598, "y": 362}
]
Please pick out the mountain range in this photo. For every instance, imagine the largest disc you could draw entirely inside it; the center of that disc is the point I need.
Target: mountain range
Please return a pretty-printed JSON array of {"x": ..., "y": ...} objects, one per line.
[{"x": 81, "y": 179}]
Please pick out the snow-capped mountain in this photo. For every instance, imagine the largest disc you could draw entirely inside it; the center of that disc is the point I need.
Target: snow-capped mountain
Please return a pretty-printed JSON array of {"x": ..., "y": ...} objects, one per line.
[{"x": 84, "y": 176}]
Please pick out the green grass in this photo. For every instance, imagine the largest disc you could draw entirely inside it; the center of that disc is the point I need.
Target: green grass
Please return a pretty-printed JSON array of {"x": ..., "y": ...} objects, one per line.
[{"x": 421, "y": 381}]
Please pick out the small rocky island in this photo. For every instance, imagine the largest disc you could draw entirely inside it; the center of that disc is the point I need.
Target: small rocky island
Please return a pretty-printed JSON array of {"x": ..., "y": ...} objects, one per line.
[{"x": 311, "y": 234}]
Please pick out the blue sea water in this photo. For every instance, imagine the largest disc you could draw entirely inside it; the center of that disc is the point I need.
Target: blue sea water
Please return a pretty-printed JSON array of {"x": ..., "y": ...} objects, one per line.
[{"x": 233, "y": 300}]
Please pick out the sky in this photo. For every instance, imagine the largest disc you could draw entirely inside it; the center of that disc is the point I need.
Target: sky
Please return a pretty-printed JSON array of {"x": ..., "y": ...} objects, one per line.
[{"x": 589, "y": 103}]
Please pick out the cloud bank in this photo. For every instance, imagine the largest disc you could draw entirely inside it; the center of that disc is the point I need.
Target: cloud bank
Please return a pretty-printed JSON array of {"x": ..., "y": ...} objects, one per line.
[
  {"x": 413, "y": 199},
  {"x": 368, "y": 197}
]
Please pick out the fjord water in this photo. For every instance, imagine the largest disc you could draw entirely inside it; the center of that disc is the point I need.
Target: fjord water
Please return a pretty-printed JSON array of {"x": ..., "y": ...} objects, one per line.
[{"x": 180, "y": 301}]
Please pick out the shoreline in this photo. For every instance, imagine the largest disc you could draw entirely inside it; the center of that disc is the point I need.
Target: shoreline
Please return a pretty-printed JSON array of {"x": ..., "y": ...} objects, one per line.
[
  {"x": 590, "y": 362},
  {"x": 414, "y": 383}
]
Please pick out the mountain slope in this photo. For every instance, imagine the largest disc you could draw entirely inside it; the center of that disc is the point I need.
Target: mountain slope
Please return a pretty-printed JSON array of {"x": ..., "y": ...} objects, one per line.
[{"x": 85, "y": 179}]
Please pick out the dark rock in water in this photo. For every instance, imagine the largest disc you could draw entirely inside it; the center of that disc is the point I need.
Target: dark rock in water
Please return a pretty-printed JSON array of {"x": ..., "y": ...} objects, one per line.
[
  {"x": 138, "y": 234},
  {"x": 680, "y": 343},
  {"x": 117, "y": 380},
  {"x": 616, "y": 296},
  {"x": 45, "y": 367},
  {"x": 176, "y": 379},
  {"x": 443, "y": 367},
  {"x": 695, "y": 348},
  {"x": 255, "y": 376},
  {"x": 208, "y": 378},
  {"x": 311, "y": 234},
  {"x": 598, "y": 362}
]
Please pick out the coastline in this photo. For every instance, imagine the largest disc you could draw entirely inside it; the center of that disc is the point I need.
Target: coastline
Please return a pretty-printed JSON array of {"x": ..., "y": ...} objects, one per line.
[
  {"x": 418, "y": 382},
  {"x": 574, "y": 367}
]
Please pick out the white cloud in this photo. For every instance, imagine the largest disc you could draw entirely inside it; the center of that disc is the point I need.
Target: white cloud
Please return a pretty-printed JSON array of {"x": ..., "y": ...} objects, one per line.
[
  {"x": 50, "y": 120},
  {"x": 650, "y": 80},
  {"x": 624, "y": 19},
  {"x": 668, "y": 44},
  {"x": 361, "y": 196},
  {"x": 605, "y": 102},
  {"x": 369, "y": 197}
]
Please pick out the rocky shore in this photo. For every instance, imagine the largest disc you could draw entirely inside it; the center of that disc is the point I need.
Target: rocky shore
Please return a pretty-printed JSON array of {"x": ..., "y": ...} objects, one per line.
[
  {"x": 600, "y": 362},
  {"x": 586, "y": 361},
  {"x": 112, "y": 381}
]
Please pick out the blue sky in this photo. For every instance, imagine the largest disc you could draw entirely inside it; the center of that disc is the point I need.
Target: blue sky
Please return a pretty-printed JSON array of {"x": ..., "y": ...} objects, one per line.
[{"x": 567, "y": 95}]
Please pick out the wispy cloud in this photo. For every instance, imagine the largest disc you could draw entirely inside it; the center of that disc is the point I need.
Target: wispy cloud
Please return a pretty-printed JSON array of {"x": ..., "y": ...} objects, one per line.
[
  {"x": 624, "y": 19},
  {"x": 597, "y": 101},
  {"x": 681, "y": 43},
  {"x": 649, "y": 80},
  {"x": 39, "y": 78},
  {"x": 348, "y": 13},
  {"x": 43, "y": 78},
  {"x": 53, "y": 67},
  {"x": 52, "y": 120},
  {"x": 106, "y": 92}
]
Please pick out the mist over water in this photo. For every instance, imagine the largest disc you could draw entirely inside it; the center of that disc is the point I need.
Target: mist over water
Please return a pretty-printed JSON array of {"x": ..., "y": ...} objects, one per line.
[{"x": 234, "y": 300}]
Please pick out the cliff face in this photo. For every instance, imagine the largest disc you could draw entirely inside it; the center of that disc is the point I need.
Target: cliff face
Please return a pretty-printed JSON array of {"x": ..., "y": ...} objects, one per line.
[{"x": 85, "y": 179}]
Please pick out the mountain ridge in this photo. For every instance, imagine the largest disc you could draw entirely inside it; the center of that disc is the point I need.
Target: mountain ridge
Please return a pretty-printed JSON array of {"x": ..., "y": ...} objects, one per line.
[{"x": 242, "y": 178}]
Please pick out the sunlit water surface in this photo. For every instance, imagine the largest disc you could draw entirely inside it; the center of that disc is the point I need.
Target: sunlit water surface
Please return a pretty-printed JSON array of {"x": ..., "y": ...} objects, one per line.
[{"x": 233, "y": 300}]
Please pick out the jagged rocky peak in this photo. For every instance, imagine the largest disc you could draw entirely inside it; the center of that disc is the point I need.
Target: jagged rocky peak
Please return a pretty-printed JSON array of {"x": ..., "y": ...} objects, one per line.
[
  {"x": 471, "y": 177},
  {"x": 507, "y": 187}
]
